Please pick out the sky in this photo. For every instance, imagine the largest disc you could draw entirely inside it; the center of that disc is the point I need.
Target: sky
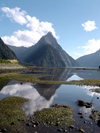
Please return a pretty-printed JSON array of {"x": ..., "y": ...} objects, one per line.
[{"x": 74, "y": 23}]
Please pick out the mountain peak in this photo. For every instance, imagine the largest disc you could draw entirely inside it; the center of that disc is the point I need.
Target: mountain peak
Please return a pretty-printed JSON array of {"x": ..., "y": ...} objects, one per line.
[{"x": 49, "y": 33}]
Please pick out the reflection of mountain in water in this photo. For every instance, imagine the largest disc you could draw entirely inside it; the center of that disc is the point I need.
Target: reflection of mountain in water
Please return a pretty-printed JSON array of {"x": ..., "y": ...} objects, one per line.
[
  {"x": 48, "y": 90},
  {"x": 40, "y": 95}
]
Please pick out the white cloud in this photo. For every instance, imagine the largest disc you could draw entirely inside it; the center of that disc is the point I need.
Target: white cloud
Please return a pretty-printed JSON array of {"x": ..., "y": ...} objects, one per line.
[
  {"x": 35, "y": 29},
  {"x": 91, "y": 47},
  {"x": 89, "y": 26},
  {"x": 14, "y": 41},
  {"x": 15, "y": 14}
]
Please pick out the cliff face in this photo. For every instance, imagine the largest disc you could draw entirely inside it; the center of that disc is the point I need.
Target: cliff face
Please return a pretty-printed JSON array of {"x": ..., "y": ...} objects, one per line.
[{"x": 6, "y": 52}]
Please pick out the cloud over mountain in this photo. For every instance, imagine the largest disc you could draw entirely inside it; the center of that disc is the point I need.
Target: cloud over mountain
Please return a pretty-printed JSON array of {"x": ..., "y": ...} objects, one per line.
[{"x": 34, "y": 30}]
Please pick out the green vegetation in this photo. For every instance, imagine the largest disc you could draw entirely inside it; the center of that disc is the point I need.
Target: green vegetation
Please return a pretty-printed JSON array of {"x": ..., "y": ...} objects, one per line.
[
  {"x": 35, "y": 78},
  {"x": 59, "y": 115},
  {"x": 3, "y": 61},
  {"x": 3, "y": 81},
  {"x": 11, "y": 114}
]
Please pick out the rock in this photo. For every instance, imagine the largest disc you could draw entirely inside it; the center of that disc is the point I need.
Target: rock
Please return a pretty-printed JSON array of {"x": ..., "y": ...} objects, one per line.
[
  {"x": 95, "y": 115},
  {"x": 97, "y": 97},
  {"x": 98, "y": 122},
  {"x": 81, "y": 130},
  {"x": 12, "y": 123},
  {"x": 85, "y": 121},
  {"x": 60, "y": 130},
  {"x": 65, "y": 130},
  {"x": 28, "y": 124},
  {"x": 86, "y": 104},
  {"x": 81, "y": 117},
  {"x": 3, "y": 130},
  {"x": 79, "y": 113},
  {"x": 72, "y": 126},
  {"x": 33, "y": 125},
  {"x": 81, "y": 103}
]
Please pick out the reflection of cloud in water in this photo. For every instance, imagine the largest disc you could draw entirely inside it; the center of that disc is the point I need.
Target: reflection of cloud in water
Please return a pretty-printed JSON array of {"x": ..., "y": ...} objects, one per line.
[
  {"x": 86, "y": 112},
  {"x": 89, "y": 92},
  {"x": 74, "y": 77},
  {"x": 36, "y": 102}
]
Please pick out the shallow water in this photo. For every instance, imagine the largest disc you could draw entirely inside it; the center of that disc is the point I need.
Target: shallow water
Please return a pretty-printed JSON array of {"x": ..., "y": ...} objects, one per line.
[{"x": 43, "y": 96}]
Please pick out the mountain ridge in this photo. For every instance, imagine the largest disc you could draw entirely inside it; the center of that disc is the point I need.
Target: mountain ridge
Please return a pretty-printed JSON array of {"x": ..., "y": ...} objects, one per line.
[
  {"x": 90, "y": 60},
  {"x": 6, "y": 52},
  {"x": 50, "y": 44}
]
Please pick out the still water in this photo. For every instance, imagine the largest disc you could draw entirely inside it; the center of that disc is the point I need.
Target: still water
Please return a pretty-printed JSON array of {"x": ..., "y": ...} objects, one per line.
[{"x": 44, "y": 95}]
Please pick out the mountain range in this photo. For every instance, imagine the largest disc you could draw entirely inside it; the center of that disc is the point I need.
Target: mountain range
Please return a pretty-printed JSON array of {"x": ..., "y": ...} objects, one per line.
[
  {"x": 6, "y": 52},
  {"x": 90, "y": 60},
  {"x": 46, "y": 52}
]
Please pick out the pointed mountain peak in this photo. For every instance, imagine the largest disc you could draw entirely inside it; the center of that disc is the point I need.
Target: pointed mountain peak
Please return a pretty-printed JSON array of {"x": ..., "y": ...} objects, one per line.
[{"x": 49, "y": 33}]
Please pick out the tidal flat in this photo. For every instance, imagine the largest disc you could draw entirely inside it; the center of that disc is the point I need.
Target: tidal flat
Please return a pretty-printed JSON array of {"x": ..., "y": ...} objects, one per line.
[{"x": 42, "y": 88}]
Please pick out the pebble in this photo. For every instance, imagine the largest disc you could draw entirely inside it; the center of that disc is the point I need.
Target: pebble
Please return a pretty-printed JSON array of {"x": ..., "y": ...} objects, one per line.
[
  {"x": 60, "y": 130},
  {"x": 33, "y": 125},
  {"x": 85, "y": 121},
  {"x": 81, "y": 130},
  {"x": 72, "y": 126},
  {"x": 12, "y": 123},
  {"x": 65, "y": 130},
  {"x": 81, "y": 116},
  {"x": 4, "y": 130},
  {"x": 79, "y": 113}
]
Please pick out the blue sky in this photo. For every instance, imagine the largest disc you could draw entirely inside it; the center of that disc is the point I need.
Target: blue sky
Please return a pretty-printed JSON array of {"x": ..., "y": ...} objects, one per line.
[{"x": 75, "y": 23}]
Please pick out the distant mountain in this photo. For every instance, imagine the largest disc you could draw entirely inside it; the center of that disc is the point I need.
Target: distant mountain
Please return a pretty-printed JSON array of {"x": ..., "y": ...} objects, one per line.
[
  {"x": 90, "y": 60},
  {"x": 6, "y": 52},
  {"x": 19, "y": 51},
  {"x": 46, "y": 52}
]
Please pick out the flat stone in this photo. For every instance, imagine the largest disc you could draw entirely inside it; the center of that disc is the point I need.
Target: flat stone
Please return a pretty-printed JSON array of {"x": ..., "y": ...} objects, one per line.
[
  {"x": 81, "y": 130},
  {"x": 72, "y": 126}
]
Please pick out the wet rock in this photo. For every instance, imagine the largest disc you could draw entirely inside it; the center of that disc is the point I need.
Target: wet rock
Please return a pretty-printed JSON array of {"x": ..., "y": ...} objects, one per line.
[
  {"x": 95, "y": 115},
  {"x": 81, "y": 117},
  {"x": 65, "y": 130},
  {"x": 85, "y": 121},
  {"x": 72, "y": 126},
  {"x": 33, "y": 125},
  {"x": 60, "y": 130},
  {"x": 19, "y": 120},
  {"x": 79, "y": 113},
  {"x": 12, "y": 123},
  {"x": 28, "y": 124},
  {"x": 98, "y": 122},
  {"x": 86, "y": 104},
  {"x": 3, "y": 130},
  {"x": 81, "y": 130}
]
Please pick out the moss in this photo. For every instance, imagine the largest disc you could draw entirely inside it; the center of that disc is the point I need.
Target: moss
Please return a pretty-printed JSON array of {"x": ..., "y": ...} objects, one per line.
[
  {"x": 58, "y": 115},
  {"x": 35, "y": 78},
  {"x": 11, "y": 112}
]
